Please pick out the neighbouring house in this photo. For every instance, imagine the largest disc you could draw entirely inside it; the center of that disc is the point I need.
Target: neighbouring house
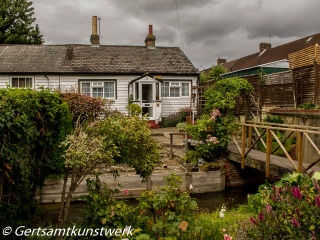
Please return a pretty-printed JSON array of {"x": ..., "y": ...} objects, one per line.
[
  {"x": 158, "y": 78},
  {"x": 268, "y": 60}
]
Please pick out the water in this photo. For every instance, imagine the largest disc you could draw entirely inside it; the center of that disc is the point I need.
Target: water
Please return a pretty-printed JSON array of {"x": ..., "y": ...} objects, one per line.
[{"x": 208, "y": 202}]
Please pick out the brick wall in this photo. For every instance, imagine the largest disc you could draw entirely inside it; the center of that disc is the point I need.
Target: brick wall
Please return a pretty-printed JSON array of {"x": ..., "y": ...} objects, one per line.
[{"x": 237, "y": 177}]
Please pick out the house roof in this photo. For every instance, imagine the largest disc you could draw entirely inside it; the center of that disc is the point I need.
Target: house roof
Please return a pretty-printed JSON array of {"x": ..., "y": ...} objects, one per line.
[
  {"x": 272, "y": 55},
  {"x": 84, "y": 59}
]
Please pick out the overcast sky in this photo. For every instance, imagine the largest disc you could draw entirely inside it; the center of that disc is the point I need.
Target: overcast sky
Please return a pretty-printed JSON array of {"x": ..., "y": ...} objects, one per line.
[{"x": 210, "y": 28}]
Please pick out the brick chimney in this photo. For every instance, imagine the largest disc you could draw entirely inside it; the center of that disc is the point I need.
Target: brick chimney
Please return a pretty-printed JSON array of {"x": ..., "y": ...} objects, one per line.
[
  {"x": 94, "y": 39},
  {"x": 150, "y": 39},
  {"x": 221, "y": 61},
  {"x": 263, "y": 46}
]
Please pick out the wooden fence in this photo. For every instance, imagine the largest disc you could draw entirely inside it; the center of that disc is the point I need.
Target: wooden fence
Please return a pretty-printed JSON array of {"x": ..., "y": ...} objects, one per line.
[{"x": 301, "y": 132}]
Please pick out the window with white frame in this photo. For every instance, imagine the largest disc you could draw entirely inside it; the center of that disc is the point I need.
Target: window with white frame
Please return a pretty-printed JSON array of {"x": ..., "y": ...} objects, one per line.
[
  {"x": 21, "y": 82},
  {"x": 175, "y": 89},
  {"x": 97, "y": 89}
]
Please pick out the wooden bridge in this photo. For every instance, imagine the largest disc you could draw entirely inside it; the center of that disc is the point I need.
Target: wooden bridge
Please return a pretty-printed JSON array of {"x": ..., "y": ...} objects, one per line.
[{"x": 244, "y": 152}]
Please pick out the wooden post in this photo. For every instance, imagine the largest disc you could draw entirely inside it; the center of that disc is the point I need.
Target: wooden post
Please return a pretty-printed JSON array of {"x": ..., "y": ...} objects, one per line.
[
  {"x": 315, "y": 84},
  {"x": 243, "y": 147},
  {"x": 250, "y": 137},
  {"x": 299, "y": 149},
  {"x": 269, "y": 149},
  {"x": 171, "y": 143},
  {"x": 186, "y": 142}
]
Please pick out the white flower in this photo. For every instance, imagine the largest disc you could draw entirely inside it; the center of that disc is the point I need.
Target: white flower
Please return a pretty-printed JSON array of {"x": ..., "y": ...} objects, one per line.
[{"x": 191, "y": 187}]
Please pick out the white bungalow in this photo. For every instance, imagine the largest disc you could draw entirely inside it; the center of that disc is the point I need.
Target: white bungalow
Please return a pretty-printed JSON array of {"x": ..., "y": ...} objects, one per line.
[{"x": 159, "y": 78}]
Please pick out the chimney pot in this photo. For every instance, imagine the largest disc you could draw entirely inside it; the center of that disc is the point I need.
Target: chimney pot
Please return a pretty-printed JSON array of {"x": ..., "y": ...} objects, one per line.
[
  {"x": 150, "y": 30},
  {"x": 264, "y": 46},
  {"x": 221, "y": 61}
]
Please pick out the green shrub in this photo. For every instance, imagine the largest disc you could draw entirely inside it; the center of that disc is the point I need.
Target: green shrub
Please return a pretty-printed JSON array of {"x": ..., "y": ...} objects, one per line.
[
  {"x": 182, "y": 126},
  {"x": 192, "y": 157},
  {"x": 171, "y": 120},
  {"x": 32, "y": 126},
  {"x": 134, "y": 109},
  {"x": 289, "y": 209},
  {"x": 309, "y": 105},
  {"x": 83, "y": 107}
]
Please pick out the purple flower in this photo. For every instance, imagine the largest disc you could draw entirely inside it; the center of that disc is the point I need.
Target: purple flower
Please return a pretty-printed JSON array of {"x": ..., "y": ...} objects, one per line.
[
  {"x": 298, "y": 193},
  {"x": 268, "y": 208},
  {"x": 252, "y": 220},
  {"x": 280, "y": 189},
  {"x": 293, "y": 190},
  {"x": 318, "y": 201},
  {"x": 295, "y": 222},
  {"x": 261, "y": 216},
  {"x": 274, "y": 188}
]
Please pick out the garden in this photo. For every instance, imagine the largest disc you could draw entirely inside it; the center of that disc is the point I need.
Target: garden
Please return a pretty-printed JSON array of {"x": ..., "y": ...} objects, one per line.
[{"x": 46, "y": 134}]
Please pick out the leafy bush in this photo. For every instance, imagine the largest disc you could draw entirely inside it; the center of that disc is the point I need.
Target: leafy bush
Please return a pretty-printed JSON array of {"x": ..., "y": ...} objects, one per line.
[
  {"x": 158, "y": 215},
  {"x": 309, "y": 105},
  {"x": 32, "y": 126},
  {"x": 215, "y": 130},
  {"x": 182, "y": 126},
  {"x": 134, "y": 109},
  {"x": 192, "y": 157},
  {"x": 289, "y": 209},
  {"x": 185, "y": 112},
  {"x": 83, "y": 107},
  {"x": 171, "y": 120}
]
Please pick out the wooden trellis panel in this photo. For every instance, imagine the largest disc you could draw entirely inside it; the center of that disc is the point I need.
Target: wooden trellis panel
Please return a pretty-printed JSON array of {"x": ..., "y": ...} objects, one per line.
[{"x": 304, "y": 57}]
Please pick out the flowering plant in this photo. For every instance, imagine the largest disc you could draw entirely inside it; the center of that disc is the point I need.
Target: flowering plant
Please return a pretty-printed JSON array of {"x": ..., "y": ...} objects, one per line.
[{"x": 289, "y": 209}]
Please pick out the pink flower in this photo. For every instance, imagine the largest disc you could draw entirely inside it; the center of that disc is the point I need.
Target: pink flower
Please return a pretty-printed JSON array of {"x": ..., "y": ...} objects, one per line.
[
  {"x": 191, "y": 187},
  {"x": 318, "y": 201},
  {"x": 261, "y": 216},
  {"x": 295, "y": 222},
  {"x": 215, "y": 113},
  {"x": 126, "y": 191},
  {"x": 252, "y": 220},
  {"x": 293, "y": 190},
  {"x": 223, "y": 229},
  {"x": 211, "y": 139},
  {"x": 268, "y": 208}
]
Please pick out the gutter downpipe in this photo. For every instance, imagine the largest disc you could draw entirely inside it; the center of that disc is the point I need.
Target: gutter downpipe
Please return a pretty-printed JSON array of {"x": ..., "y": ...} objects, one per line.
[{"x": 48, "y": 79}]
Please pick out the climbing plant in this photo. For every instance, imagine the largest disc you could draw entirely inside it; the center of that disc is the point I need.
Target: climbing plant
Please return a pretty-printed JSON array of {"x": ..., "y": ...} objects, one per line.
[{"x": 215, "y": 127}]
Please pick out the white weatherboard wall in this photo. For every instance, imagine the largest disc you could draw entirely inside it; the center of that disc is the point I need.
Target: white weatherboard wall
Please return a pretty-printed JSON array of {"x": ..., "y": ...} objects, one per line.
[{"x": 71, "y": 83}]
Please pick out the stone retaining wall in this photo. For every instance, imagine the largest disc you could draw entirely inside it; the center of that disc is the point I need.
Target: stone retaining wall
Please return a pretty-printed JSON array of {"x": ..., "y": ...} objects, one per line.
[{"x": 202, "y": 182}]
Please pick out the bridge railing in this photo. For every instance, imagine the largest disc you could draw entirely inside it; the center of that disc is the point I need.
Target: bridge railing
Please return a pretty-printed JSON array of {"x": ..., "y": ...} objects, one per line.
[{"x": 268, "y": 129}]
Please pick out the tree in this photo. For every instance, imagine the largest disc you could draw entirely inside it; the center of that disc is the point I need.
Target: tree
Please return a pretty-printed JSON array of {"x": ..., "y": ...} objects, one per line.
[
  {"x": 16, "y": 18},
  {"x": 115, "y": 139},
  {"x": 213, "y": 75}
]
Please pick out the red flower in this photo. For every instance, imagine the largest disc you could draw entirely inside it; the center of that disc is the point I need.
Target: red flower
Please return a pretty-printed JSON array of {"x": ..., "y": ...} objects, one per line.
[{"x": 252, "y": 220}]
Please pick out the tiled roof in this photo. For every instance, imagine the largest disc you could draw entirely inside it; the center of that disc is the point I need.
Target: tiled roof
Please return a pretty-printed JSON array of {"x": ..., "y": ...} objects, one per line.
[
  {"x": 274, "y": 54},
  {"x": 75, "y": 59}
]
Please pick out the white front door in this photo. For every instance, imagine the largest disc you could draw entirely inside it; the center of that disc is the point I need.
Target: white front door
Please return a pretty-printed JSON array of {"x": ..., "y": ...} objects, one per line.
[{"x": 147, "y": 99}]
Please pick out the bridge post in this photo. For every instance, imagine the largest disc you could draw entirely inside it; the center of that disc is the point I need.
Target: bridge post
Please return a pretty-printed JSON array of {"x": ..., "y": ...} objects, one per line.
[
  {"x": 268, "y": 152},
  {"x": 250, "y": 137},
  {"x": 243, "y": 146},
  {"x": 300, "y": 150}
]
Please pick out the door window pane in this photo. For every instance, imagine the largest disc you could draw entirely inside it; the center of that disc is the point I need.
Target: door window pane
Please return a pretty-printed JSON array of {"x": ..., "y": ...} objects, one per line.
[
  {"x": 136, "y": 91},
  {"x": 157, "y": 91}
]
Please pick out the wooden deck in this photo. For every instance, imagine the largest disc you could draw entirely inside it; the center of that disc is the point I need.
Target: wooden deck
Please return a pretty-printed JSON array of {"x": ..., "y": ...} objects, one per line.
[{"x": 279, "y": 166}]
